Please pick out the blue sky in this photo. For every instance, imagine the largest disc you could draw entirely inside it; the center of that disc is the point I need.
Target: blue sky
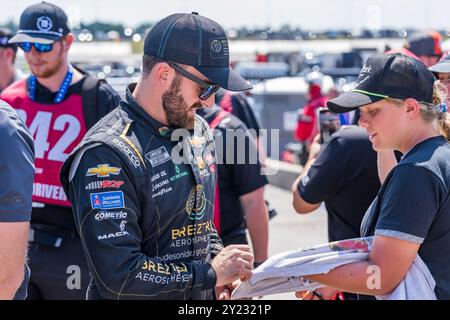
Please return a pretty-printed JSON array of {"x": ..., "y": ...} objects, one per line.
[{"x": 310, "y": 14}]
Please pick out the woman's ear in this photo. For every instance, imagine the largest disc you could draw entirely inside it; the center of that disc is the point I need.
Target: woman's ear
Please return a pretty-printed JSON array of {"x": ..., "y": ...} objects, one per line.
[{"x": 412, "y": 107}]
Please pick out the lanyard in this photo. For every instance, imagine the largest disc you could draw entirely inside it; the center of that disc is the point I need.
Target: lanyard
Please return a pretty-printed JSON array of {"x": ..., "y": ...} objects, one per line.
[{"x": 61, "y": 92}]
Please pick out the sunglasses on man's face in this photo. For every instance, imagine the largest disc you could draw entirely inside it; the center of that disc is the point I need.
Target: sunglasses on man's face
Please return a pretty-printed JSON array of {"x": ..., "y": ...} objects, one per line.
[
  {"x": 208, "y": 89},
  {"x": 40, "y": 47}
]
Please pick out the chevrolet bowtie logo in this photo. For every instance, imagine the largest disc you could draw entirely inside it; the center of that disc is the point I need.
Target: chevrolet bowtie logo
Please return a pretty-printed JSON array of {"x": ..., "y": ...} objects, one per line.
[{"x": 103, "y": 171}]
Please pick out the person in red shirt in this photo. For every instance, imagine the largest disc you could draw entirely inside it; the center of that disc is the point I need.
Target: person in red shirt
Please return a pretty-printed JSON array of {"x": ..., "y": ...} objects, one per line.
[{"x": 307, "y": 125}]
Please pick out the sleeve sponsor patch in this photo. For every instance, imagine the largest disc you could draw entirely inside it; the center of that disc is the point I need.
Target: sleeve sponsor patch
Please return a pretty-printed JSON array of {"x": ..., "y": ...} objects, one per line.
[
  {"x": 107, "y": 200},
  {"x": 103, "y": 171}
]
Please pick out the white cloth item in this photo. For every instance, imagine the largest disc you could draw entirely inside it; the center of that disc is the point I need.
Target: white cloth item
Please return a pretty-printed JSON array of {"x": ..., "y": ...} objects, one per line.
[
  {"x": 418, "y": 284},
  {"x": 285, "y": 272}
]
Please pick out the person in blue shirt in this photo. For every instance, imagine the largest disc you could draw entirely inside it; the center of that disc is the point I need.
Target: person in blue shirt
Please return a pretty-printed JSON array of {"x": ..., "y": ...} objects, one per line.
[{"x": 16, "y": 186}]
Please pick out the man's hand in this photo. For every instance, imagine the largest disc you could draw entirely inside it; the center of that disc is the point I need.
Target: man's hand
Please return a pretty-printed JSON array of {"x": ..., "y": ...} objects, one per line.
[
  {"x": 232, "y": 263},
  {"x": 325, "y": 293}
]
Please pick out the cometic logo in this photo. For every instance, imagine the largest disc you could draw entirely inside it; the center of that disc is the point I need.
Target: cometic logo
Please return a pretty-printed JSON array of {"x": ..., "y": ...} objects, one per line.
[{"x": 106, "y": 215}]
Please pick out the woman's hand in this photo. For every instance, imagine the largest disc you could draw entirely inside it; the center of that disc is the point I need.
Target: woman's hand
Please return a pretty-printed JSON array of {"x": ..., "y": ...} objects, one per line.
[{"x": 325, "y": 293}]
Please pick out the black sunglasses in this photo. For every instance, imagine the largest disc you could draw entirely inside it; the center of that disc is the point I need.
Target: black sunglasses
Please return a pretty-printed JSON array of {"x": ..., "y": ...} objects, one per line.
[{"x": 208, "y": 88}]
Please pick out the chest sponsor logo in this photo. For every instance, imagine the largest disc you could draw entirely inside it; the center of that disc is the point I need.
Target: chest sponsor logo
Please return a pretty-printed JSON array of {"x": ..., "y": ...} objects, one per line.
[
  {"x": 159, "y": 185},
  {"x": 121, "y": 233},
  {"x": 159, "y": 175},
  {"x": 129, "y": 152},
  {"x": 158, "y": 156},
  {"x": 107, "y": 200},
  {"x": 103, "y": 171},
  {"x": 163, "y": 131},
  {"x": 196, "y": 203},
  {"x": 105, "y": 184},
  {"x": 110, "y": 215},
  {"x": 179, "y": 174}
]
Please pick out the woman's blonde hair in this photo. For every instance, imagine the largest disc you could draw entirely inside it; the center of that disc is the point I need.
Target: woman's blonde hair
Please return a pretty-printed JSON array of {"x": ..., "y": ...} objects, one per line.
[{"x": 434, "y": 111}]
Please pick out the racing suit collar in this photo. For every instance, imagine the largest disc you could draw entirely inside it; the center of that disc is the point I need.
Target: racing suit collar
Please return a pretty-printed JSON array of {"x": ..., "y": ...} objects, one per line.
[{"x": 155, "y": 127}]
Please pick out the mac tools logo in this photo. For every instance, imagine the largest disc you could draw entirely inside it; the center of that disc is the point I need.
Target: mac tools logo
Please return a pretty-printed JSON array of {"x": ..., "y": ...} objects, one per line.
[{"x": 44, "y": 23}]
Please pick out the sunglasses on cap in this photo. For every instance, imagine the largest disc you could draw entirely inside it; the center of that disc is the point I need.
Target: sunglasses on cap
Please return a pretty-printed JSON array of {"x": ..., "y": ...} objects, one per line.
[
  {"x": 40, "y": 47},
  {"x": 208, "y": 88}
]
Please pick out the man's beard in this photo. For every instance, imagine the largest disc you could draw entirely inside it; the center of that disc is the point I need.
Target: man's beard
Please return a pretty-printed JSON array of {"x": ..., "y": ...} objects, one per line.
[
  {"x": 49, "y": 71},
  {"x": 177, "y": 111}
]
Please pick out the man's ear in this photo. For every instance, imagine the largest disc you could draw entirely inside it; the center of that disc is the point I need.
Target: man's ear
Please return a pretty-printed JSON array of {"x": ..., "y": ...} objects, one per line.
[
  {"x": 412, "y": 107},
  {"x": 163, "y": 74},
  {"x": 67, "y": 42},
  {"x": 9, "y": 54}
]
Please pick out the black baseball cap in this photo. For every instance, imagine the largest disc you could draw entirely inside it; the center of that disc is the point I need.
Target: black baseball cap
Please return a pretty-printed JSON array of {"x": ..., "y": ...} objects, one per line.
[
  {"x": 197, "y": 41},
  {"x": 41, "y": 23},
  {"x": 443, "y": 66},
  {"x": 5, "y": 35},
  {"x": 425, "y": 43},
  {"x": 385, "y": 76}
]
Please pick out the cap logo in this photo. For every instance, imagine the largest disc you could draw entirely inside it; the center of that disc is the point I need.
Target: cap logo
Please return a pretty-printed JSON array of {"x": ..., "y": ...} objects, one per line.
[
  {"x": 216, "y": 46},
  {"x": 366, "y": 69},
  {"x": 365, "y": 72},
  {"x": 44, "y": 23}
]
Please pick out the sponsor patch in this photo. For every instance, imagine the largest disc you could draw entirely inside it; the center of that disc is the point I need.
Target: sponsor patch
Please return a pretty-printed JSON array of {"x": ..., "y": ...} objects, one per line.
[
  {"x": 103, "y": 171},
  {"x": 180, "y": 174},
  {"x": 196, "y": 203},
  {"x": 305, "y": 180},
  {"x": 131, "y": 154},
  {"x": 158, "y": 156},
  {"x": 105, "y": 184},
  {"x": 110, "y": 215},
  {"x": 107, "y": 200},
  {"x": 121, "y": 233}
]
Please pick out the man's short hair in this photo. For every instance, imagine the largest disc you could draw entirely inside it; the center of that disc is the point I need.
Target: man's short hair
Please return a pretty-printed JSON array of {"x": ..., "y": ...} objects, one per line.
[{"x": 148, "y": 62}]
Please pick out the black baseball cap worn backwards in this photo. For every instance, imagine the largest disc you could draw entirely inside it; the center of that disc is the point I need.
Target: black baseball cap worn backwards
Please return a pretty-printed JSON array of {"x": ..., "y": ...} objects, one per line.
[
  {"x": 385, "y": 76},
  {"x": 197, "y": 41},
  {"x": 41, "y": 23}
]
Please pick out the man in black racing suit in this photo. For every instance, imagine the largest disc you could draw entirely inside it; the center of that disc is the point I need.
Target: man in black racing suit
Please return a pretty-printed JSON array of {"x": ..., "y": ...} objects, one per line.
[{"x": 141, "y": 183}]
